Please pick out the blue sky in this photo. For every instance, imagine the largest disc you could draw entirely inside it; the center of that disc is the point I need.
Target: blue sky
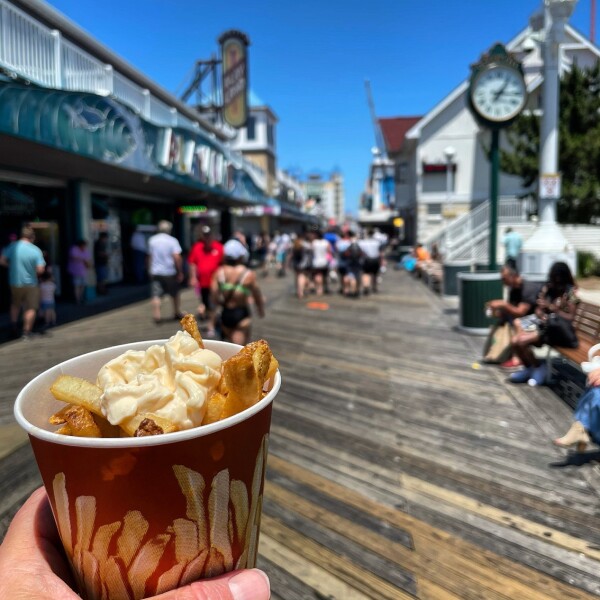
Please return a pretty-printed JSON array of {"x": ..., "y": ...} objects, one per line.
[{"x": 309, "y": 59}]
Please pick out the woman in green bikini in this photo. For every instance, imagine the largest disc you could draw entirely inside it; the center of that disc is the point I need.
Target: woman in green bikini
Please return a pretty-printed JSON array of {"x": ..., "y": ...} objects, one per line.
[{"x": 233, "y": 285}]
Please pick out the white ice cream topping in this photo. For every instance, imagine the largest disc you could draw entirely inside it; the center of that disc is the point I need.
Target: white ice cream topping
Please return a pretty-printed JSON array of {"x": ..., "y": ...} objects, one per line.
[{"x": 172, "y": 381}]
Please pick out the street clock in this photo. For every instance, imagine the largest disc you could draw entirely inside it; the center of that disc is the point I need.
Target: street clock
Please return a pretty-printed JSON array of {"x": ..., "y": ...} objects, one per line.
[{"x": 497, "y": 90}]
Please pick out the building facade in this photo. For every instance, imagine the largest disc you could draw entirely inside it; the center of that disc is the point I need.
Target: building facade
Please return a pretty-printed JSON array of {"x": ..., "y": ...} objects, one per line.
[
  {"x": 441, "y": 170},
  {"x": 325, "y": 196},
  {"x": 89, "y": 144}
]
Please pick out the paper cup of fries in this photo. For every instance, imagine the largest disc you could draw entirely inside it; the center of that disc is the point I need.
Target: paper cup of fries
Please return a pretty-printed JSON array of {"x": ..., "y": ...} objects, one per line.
[{"x": 139, "y": 516}]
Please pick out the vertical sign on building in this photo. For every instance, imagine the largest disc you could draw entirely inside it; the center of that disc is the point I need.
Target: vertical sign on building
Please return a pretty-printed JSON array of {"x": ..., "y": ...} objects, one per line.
[{"x": 234, "y": 60}]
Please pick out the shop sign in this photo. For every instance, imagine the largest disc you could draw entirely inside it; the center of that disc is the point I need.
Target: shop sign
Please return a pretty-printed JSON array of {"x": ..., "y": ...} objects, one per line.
[
  {"x": 182, "y": 154},
  {"x": 234, "y": 60},
  {"x": 256, "y": 211},
  {"x": 550, "y": 186}
]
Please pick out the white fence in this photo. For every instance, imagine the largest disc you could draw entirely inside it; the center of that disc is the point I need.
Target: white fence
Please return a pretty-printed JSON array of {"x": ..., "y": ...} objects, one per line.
[
  {"x": 40, "y": 54},
  {"x": 466, "y": 236}
]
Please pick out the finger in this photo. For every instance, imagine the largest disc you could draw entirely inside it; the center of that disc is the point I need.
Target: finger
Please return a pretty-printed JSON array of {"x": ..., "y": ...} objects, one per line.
[{"x": 250, "y": 584}]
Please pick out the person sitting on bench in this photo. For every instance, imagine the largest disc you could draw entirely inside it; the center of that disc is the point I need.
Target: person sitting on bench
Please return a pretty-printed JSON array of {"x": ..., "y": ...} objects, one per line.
[
  {"x": 550, "y": 324},
  {"x": 586, "y": 425},
  {"x": 522, "y": 297}
]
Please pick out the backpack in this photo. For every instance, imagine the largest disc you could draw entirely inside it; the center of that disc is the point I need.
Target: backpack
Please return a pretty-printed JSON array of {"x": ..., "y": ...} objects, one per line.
[{"x": 353, "y": 254}]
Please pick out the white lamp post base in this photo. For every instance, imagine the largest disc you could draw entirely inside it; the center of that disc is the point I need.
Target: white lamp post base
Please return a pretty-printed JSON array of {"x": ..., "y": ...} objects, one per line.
[{"x": 545, "y": 247}]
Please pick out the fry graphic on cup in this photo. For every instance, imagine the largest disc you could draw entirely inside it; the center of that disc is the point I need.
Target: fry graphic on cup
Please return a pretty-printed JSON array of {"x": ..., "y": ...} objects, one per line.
[{"x": 116, "y": 561}]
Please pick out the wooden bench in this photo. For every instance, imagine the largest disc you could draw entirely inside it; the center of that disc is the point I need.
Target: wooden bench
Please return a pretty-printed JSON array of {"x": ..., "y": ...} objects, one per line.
[
  {"x": 431, "y": 273},
  {"x": 571, "y": 380}
]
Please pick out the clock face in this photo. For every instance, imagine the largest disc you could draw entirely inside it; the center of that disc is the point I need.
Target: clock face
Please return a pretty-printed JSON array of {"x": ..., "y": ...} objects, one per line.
[{"x": 498, "y": 93}]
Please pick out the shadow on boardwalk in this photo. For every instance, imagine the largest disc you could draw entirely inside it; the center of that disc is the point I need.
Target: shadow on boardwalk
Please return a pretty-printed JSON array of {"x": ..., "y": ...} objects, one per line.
[{"x": 396, "y": 469}]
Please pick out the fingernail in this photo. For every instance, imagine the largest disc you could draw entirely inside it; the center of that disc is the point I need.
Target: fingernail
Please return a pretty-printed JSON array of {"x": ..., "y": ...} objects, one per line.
[{"x": 251, "y": 584}]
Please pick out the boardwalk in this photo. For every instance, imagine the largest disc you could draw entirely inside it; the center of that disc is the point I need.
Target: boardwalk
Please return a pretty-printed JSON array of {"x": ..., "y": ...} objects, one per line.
[{"x": 396, "y": 468}]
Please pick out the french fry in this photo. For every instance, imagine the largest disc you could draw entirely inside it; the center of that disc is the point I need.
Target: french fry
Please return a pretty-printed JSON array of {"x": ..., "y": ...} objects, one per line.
[
  {"x": 189, "y": 324},
  {"x": 131, "y": 425},
  {"x": 218, "y": 513},
  {"x": 61, "y": 501},
  {"x": 115, "y": 581},
  {"x": 192, "y": 486},
  {"x": 65, "y": 430},
  {"x": 194, "y": 569},
  {"x": 186, "y": 540},
  {"x": 240, "y": 379},
  {"x": 145, "y": 563},
  {"x": 135, "y": 527},
  {"x": 239, "y": 500},
  {"x": 169, "y": 580},
  {"x": 81, "y": 422},
  {"x": 78, "y": 391},
  {"x": 214, "y": 409}
]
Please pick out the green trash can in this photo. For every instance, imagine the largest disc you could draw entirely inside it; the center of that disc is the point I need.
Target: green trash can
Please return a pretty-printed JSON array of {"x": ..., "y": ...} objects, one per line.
[
  {"x": 450, "y": 270},
  {"x": 474, "y": 290}
]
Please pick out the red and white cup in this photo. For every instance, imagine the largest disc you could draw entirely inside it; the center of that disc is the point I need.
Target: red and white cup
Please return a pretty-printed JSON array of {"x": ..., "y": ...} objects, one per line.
[{"x": 140, "y": 516}]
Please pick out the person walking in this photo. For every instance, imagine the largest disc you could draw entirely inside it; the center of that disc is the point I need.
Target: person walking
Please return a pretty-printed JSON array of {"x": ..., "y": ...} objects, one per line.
[
  {"x": 79, "y": 263},
  {"x": 101, "y": 256},
  {"x": 321, "y": 254},
  {"x": 301, "y": 261},
  {"x": 373, "y": 253},
  {"x": 233, "y": 285},
  {"x": 47, "y": 300},
  {"x": 205, "y": 258},
  {"x": 353, "y": 259},
  {"x": 513, "y": 243},
  {"x": 166, "y": 270},
  {"x": 25, "y": 262}
]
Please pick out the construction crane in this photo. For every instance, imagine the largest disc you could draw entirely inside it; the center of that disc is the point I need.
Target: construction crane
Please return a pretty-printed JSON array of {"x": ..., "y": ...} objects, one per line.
[
  {"x": 379, "y": 141},
  {"x": 381, "y": 160}
]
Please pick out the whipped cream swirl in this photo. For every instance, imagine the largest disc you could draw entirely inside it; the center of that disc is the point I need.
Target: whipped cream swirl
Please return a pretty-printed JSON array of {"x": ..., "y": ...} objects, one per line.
[{"x": 172, "y": 381}]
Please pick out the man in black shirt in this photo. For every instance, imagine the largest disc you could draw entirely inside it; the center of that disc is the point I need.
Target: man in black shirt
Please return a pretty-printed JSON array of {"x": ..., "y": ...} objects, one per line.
[{"x": 522, "y": 296}]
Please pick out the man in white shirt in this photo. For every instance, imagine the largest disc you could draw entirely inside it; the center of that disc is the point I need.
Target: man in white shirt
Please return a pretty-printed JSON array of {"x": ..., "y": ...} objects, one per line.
[
  {"x": 166, "y": 269},
  {"x": 371, "y": 248}
]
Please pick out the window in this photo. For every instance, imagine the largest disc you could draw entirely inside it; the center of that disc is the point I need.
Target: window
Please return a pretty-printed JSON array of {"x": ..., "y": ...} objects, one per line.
[
  {"x": 270, "y": 134},
  {"x": 434, "y": 209},
  {"x": 251, "y": 128}
]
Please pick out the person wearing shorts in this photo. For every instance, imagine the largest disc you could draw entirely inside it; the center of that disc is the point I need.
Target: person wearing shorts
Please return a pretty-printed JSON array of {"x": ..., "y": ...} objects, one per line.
[
  {"x": 25, "y": 262},
  {"x": 205, "y": 258},
  {"x": 166, "y": 270},
  {"x": 373, "y": 257}
]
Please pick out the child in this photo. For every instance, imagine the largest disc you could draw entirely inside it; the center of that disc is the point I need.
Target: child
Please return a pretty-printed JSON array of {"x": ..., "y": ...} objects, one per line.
[{"x": 47, "y": 304}]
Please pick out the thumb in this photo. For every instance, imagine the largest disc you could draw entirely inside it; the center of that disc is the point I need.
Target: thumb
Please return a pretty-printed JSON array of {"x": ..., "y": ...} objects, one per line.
[{"x": 250, "y": 584}]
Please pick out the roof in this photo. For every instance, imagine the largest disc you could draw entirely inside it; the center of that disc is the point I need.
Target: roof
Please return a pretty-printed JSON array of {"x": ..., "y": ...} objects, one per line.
[{"x": 394, "y": 131}]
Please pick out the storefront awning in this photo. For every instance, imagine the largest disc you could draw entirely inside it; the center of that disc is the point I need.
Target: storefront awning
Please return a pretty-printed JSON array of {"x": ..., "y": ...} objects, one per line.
[{"x": 102, "y": 129}]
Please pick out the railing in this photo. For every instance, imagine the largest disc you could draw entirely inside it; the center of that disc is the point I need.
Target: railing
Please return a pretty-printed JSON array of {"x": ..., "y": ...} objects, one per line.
[
  {"x": 33, "y": 51},
  {"x": 466, "y": 236}
]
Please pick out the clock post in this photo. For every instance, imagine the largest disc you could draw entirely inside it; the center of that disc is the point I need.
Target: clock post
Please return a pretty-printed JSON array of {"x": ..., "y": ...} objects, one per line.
[
  {"x": 494, "y": 176},
  {"x": 497, "y": 95}
]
